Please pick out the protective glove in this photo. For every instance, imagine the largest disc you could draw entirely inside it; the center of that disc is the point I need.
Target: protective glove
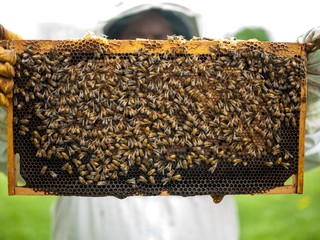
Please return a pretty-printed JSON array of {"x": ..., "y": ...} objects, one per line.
[
  {"x": 312, "y": 138},
  {"x": 7, "y": 60}
]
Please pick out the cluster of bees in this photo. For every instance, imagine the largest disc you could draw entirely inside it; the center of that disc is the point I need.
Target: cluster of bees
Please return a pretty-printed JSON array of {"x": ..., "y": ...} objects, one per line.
[{"x": 159, "y": 114}]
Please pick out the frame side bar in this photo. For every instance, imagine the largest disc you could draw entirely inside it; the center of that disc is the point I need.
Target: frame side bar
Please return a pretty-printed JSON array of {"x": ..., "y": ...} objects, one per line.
[
  {"x": 12, "y": 180},
  {"x": 302, "y": 129}
]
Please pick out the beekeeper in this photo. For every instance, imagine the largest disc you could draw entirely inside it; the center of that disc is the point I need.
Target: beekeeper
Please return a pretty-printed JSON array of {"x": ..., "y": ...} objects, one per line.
[{"x": 157, "y": 217}]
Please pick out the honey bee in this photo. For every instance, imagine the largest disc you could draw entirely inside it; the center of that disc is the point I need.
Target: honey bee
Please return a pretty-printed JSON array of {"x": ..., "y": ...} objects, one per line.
[
  {"x": 24, "y": 128},
  {"x": 53, "y": 174},
  {"x": 65, "y": 156},
  {"x": 236, "y": 161},
  {"x": 171, "y": 157},
  {"x": 165, "y": 180},
  {"x": 151, "y": 172},
  {"x": 101, "y": 183},
  {"x": 278, "y": 161},
  {"x": 276, "y": 149},
  {"x": 184, "y": 164},
  {"x": 277, "y": 137},
  {"x": 81, "y": 180},
  {"x": 269, "y": 143},
  {"x": 211, "y": 161},
  {"x": 96, "y": 178},
  {"x": 142, "y": 179},
  {"x": 43, "y": 170},
  {"x": 36, "y": 143},
  {"x": 81, "y": 168},
  {"x": 152, "y": 180},
  {"x": 285, "y": 164},
  {"x": 26, "y": 73},
  {"x": 221, "y": 154},
  {"x": 132, "y": 58},
  {"x": 89, "y": 167},
  {"x": 89, "y": 182},
  {"x": 82, "y": 155},
  {"x": 213, "y": 168},
  {"x": 24, "y": 121},
  {"x": 132, "y": 181},
  {"x": 194, "y": 131},
  {"x": 76, "y": 162},
  {"x": 41, "y": 153},
  {"x": 287, "y": 155},
  {"x": 269, "y": 164},
  {"x": 84, "y": 173},
  {"x": 177, "y": 177},
  {"x": 170, "y": 173},
  {"x": 69, "y": 169}
]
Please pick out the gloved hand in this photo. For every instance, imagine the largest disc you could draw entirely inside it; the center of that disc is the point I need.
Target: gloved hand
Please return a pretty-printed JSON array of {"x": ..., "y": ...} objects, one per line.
[
  {"x": 312, "y": 138},
  {"x": 7, "y": 60}
]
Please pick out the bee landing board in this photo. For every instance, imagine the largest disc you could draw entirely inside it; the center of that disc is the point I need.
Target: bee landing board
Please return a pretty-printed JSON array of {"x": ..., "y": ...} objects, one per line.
[{"x": 97, "y": 117}]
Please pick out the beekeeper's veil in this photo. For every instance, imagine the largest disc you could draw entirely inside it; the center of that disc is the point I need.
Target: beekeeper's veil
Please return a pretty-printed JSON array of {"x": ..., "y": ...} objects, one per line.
[{"x": 182, "y": 20}]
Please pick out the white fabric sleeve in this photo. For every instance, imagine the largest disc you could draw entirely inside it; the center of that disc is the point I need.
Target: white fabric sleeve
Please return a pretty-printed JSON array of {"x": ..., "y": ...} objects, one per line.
[
  {"x": 3, "y": 139},
  {"x": 312, "y": 137},
  {"x": 148, "y": 218}
]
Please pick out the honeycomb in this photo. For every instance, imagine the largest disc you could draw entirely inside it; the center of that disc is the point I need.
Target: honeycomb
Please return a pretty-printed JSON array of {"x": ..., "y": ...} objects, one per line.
[{"x": 98, "y": 117}]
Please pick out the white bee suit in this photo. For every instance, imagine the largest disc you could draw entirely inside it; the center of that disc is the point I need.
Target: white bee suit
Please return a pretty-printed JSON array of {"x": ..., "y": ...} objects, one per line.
[
  {"x": 312, "y": 138},
  {"x": 151, "y": 218}
]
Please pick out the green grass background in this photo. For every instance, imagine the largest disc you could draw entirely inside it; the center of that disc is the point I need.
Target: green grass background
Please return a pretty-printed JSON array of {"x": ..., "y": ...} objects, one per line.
[
  {"x": 285, "y": 217},
  {"x": 261, "y": 216},
  {"x": 23, "y": 217}
]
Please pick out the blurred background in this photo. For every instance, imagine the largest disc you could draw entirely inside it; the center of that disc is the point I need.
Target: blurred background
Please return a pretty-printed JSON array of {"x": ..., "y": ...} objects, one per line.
[
  {"x": 284, "y": 20},
  {"x": 261, "y": 217}
]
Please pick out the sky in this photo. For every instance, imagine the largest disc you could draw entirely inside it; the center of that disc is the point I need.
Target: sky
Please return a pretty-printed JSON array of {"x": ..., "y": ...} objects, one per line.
[{"x": 284, "y": 20}]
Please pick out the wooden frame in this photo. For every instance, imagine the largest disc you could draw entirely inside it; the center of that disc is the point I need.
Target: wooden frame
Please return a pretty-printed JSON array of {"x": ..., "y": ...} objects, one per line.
[{"x": 196, "y": 46}]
